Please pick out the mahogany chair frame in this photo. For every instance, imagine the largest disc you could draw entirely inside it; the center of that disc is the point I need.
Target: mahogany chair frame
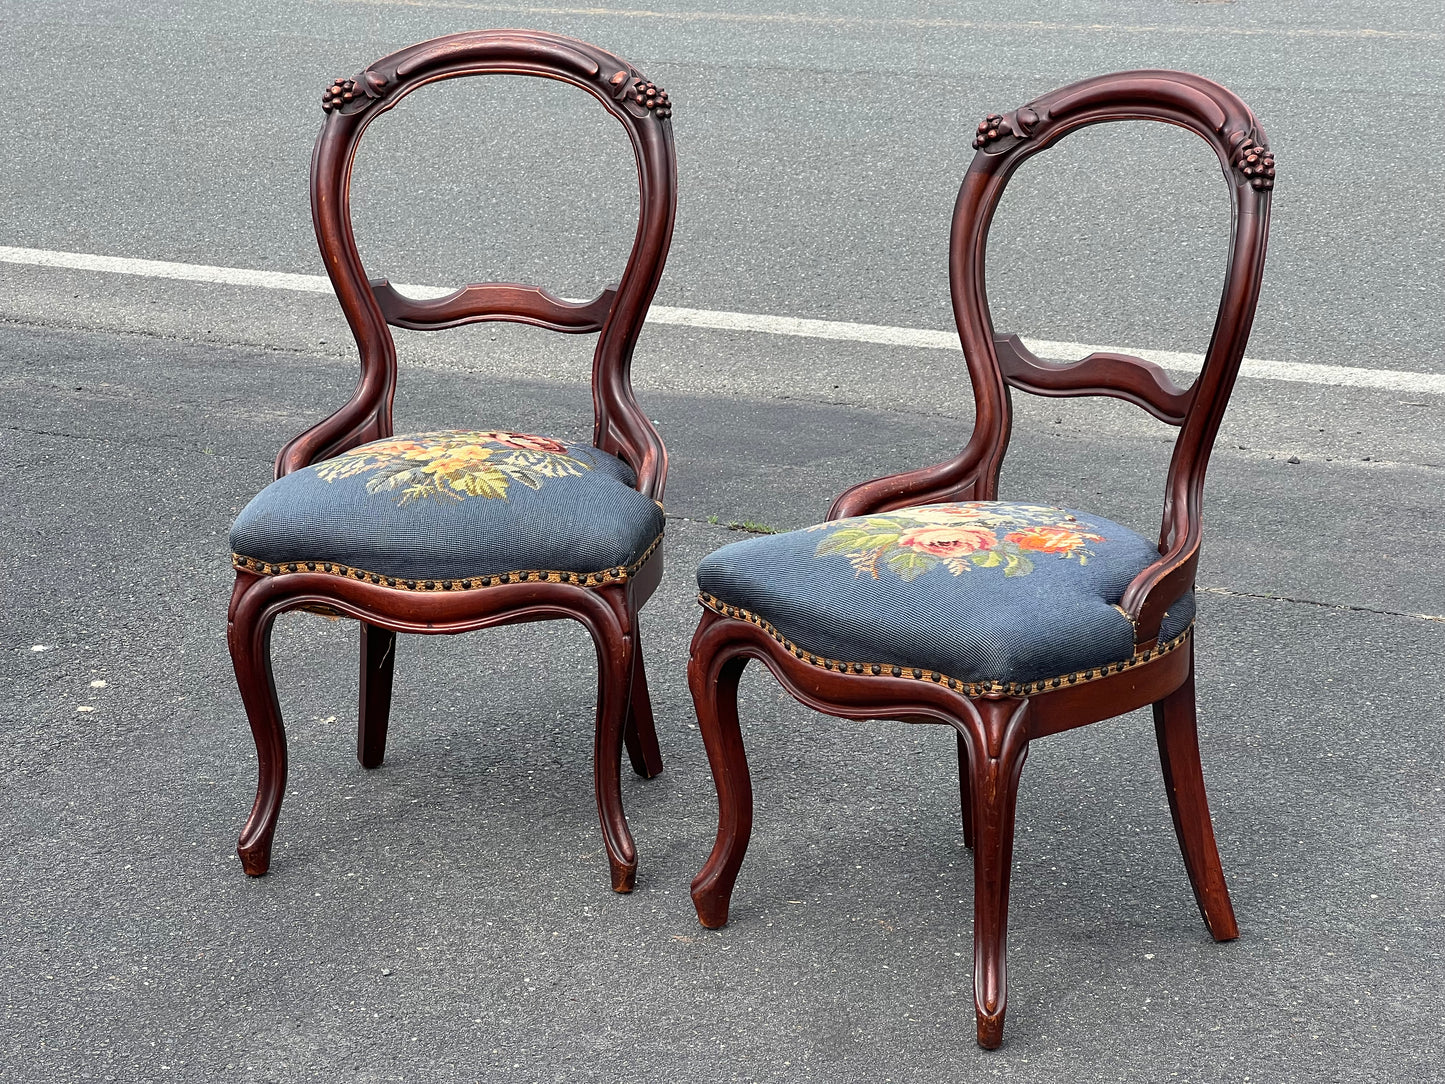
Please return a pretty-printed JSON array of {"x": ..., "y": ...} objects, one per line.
[
  {"x": 995, "y": 725},
  {"x": 606, "y": 604}
]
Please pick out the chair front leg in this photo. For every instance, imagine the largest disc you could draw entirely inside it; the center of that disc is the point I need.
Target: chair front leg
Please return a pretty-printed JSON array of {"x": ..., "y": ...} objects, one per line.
[
  {"x": 715, "y": 696},
  {"x": 640, "y": 734},
  {"x": 615, "y": 651},
  {"x": 378, "y": 659},
  {"x": 997, "y": 745},
  {"x": 1176, "y": 728},
  {"x": 248, "y": 634}
]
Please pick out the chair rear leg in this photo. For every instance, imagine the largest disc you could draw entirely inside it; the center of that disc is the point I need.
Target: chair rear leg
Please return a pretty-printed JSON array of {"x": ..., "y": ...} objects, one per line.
[
  {"x": 640, "y": 735},
  {"x": 1176, "y": 729},
  {"x": 715, "y": 698},
  {"x": 998, "y": 758},
  {"x": 249, "y": 637},
  {"x": 378, "y": 658},
  {"x": 965, "y": 791}
]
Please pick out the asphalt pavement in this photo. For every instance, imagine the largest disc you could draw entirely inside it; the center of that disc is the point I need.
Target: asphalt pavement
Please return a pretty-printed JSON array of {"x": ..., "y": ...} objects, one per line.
[{"x": 447, "y": 917}]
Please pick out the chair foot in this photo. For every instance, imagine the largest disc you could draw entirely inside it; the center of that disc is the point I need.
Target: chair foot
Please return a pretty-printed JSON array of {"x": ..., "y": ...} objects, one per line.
[
  {"x": 624, "y": 875},
  {"x": 715, "y": 698},
  {"x": 711, "y": 907},
  {"x": 1176, "y": 728},
  {"x": 255, "y": 858},
  {"x": 990, "y": 1029}
]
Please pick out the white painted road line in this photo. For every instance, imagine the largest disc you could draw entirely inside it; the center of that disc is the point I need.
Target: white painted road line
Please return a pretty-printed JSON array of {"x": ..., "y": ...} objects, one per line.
[
  {"x": 865, "y": 22},
  {"x": 1400, "y": 380},
  {"x": 187, "y": 272}
]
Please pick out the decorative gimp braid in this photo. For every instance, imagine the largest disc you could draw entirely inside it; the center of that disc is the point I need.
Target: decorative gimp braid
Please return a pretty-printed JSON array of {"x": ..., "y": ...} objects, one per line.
[
  {"x": 967, "y": 688},
  {"x": 620, "y": 574}
]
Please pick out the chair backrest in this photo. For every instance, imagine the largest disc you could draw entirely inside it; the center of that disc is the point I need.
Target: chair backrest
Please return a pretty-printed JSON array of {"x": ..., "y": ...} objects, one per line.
[
  {"x": 371, "y": 305},
  {"x": 997, "y": 363}
]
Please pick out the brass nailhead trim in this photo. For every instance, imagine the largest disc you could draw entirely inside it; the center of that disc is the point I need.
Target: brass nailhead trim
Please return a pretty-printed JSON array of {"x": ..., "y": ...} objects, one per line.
[
  {"x": 620, "y": 574},
  {"x": 968, "y": 688}
]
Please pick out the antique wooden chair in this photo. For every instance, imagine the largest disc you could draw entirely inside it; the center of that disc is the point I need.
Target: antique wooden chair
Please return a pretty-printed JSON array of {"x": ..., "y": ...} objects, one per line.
[
  {"x": 445, "y": 532},
  {"x": 925, "y": 599}
]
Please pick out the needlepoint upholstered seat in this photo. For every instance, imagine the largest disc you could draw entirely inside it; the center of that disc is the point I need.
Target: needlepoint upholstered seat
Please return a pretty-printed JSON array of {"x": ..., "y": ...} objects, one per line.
[
  {"x": 461, "y": 529},
  {"x": 998, "y": 597},
  {"x": 926, "y": 599},
  {"x": 454, "y": 510}
]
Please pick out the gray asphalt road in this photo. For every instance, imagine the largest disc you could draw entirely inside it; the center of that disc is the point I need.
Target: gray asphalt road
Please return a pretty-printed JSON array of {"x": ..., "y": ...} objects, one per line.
[{"x": 447, "y": 917}]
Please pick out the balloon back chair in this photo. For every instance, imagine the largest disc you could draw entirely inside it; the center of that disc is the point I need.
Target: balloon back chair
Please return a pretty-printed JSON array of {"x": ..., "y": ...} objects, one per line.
[
  {"x": 446, "y": 532},
  {"x": 924, "y": 598}
]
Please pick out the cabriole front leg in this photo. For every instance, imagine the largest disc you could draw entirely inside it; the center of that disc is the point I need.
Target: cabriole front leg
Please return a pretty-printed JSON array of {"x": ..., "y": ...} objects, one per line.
[
  {"x": 248, "y": 633},
  {"x": 715, "y": 697},
  {"x": 614, "y": 682},
  {"x": 997, "y": 746}
]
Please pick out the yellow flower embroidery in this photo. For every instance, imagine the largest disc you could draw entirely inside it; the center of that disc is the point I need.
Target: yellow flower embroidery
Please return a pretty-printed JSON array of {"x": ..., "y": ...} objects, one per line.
[{"x": 454, "y": 465}]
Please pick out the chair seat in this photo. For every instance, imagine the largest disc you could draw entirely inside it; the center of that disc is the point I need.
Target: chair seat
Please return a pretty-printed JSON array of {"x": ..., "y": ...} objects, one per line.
[
  {"x": 453, "y": 509},
  {"x": 1000, "y": 596}
]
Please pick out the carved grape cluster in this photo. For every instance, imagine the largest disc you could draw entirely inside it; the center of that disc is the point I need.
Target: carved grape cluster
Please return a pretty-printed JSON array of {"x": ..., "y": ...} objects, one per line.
[
  {"x": 653, "y": 97},
  {"x": 990, "y": 128},
  {"x": 338, "y": 94},
  {"x": 1256, "y": 161}
]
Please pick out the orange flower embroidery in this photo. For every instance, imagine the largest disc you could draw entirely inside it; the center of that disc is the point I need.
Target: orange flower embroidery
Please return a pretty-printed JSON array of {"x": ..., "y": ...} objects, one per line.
[{"x": 1050, "y": 539}]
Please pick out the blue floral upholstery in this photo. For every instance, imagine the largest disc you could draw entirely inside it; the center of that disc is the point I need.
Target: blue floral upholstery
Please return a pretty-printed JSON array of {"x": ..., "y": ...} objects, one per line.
[
  {"x": 453, "y": 510},
  {"x": 999, "y": 596}
]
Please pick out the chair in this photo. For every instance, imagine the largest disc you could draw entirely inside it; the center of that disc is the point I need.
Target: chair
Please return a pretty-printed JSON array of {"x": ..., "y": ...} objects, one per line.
[
  {"x": 925, "y": 599},
  {"x": 446, "y": 532}
]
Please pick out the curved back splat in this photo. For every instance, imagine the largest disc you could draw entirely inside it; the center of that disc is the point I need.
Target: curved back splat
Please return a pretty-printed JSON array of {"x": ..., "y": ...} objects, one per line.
[
  {"x": 997, "y": 363},
  {"x": 643, "y": 109}
]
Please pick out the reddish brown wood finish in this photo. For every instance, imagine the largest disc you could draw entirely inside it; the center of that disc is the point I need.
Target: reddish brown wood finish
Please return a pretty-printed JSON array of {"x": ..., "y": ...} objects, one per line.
[
  {"x": 609, "y": 611},
  {"x": 994, "y": 733}
]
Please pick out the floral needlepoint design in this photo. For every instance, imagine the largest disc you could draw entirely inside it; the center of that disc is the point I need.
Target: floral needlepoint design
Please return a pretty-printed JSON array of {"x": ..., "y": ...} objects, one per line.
[
  {"x": 957, "y": 538},
  {"x": 454, "y": 465}
]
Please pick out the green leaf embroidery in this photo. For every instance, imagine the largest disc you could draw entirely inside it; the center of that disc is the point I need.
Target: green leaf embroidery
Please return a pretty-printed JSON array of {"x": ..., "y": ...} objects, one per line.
[
  {"x": 852, "y": 540},
  {"x": 481, "y": 483},
  {"x": 910, "y": 564},
  {"x": 1015, "y": 563}
]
